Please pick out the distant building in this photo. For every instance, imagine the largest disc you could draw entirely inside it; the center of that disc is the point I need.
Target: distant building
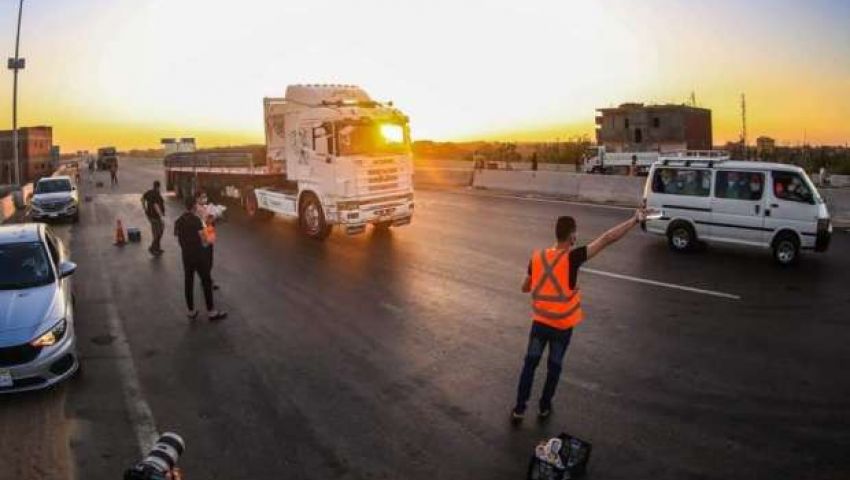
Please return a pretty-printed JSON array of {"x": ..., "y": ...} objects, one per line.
[
  {"x": 635, "y": 127},
  {"x": 765, "y": 147},
  {"x": 34, "y": 154}
]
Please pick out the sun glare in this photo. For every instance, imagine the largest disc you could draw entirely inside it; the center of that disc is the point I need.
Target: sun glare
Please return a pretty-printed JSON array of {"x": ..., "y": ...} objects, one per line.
[{"x": 392, "y": 133}]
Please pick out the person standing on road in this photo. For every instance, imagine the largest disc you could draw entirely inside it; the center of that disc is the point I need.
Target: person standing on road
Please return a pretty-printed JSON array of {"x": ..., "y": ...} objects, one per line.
[
  {"x": 190, "y": 234},
  {"x": 556, "y": 305},
  {"x": 205, "y": 212},
  {"x": 113, "y": 173},
  {"x": 154, "y": 208}
]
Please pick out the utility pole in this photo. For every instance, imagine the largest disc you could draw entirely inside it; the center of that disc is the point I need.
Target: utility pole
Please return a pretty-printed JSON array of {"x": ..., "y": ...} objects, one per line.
[
  {"x": 16, "y": 64},
  {"x": 744, "y": 125}
]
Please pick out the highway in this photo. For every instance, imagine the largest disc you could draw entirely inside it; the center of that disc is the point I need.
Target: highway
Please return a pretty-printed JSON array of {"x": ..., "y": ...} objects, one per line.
[{"x": 397, "y": 355}]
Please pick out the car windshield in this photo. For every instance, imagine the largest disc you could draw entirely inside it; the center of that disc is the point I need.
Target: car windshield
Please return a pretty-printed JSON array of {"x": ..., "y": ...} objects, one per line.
[
  {"x": 372, "y": 139},
  {"x": 53, "y": 186},
  {"x": 24, "y": 265}
]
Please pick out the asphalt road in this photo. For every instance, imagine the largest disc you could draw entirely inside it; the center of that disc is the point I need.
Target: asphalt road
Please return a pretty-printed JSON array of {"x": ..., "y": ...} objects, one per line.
[{"x": 397, "y": 355}]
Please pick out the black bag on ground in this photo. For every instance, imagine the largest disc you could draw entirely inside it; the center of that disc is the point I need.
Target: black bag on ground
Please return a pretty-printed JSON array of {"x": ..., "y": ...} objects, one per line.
[
  {"x": 134, "y": 234},
  {"x": 574, "y": 455}
]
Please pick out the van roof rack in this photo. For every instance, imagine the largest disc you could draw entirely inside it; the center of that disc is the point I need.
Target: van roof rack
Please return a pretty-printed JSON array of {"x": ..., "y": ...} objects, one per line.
[{"x": 687, "y": 158}]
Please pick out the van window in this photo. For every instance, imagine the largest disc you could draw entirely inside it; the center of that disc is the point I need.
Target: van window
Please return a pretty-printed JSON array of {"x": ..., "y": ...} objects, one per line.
[
  {"x": 739, "y": 185},
  {"x": 790, "y": 186},
  {"x": 682, "y": 181}
]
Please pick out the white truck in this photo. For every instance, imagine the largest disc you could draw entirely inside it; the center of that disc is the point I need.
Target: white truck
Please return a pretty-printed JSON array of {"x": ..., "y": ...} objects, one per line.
[
  {"x": 598, "y": 160},
  {"x": 333, "y": 156}
]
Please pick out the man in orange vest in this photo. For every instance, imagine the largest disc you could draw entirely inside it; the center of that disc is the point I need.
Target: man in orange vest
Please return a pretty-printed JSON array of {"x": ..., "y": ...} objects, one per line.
[{"x": 556, "y": 305}]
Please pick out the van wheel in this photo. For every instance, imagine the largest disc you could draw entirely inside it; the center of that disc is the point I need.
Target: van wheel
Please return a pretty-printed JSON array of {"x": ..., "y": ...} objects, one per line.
[
  {"x": 786, "y": 249},
  {"x": 681, "y": 237},
  {"x": 311, "y": 218},
  {"x": 383, "y": 226}
]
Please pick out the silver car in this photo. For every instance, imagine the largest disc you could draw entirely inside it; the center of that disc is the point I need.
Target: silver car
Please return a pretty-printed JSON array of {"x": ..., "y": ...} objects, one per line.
[
  {"x": 55, "y": 197},
  {"x": 37, "y": 342}
]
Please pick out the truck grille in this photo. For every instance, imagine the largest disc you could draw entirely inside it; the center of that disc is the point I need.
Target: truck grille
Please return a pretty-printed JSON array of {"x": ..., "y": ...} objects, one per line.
[
  {"x": 382, "y": 175},
  {"x": 18, "y": 355}
]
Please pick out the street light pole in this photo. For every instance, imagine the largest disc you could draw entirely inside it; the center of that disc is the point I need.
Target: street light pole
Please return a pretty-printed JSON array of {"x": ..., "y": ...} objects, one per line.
[{"x": 16, "y": 64}]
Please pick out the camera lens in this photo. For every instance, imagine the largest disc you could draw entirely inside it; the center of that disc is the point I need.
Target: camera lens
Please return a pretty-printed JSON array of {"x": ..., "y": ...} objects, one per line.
[{"x": 166, "y": 452}]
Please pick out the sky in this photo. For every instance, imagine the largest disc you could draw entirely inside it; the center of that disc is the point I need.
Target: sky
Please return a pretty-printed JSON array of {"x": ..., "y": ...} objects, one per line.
[{"x": 129, "y": 72}]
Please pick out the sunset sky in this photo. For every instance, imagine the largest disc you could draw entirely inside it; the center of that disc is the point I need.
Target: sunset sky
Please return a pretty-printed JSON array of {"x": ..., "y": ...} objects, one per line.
[{"x": 128, "y": 72}]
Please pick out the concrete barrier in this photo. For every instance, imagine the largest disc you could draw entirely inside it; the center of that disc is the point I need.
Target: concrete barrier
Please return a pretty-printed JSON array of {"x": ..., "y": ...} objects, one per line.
[
  {"x": 838, "y": 203},
  {"x": 591, "y": 188},
  {"x": 839, "y": 180},
  {"x": 442, "y": 176},
  {"x": 611, "y": 189},
  {"x": 549, "y": 183}
]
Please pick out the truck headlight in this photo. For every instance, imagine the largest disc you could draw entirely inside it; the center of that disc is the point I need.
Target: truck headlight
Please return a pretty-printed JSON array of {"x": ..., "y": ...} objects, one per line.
[{"x": 52, "y": 336}]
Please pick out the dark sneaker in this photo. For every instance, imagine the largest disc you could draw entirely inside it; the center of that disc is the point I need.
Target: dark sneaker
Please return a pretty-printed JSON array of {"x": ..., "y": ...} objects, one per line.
[
  {"x": 192, "y": 315},
  {"x": 544, "y": 413},
  {"x": 218, "y": 315}
]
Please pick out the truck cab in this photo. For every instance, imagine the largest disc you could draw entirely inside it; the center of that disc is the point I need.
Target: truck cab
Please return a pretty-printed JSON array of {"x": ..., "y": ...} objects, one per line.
[{"x": 347, "y": 159}]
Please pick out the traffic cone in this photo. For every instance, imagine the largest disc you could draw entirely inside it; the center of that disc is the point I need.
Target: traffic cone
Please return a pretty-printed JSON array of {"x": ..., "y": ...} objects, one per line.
[{"x": 119, "y": 233}]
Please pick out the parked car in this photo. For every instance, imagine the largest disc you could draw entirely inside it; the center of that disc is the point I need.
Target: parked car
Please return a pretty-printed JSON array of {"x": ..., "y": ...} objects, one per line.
[
  {"x": 55, "y": 197},
  {"x": 760, "y": 204},
  {"x": 37, "y": 342}
]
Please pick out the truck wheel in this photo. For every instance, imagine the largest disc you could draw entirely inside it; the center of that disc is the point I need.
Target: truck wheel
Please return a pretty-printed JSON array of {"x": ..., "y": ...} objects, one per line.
[
  {"x": 681, "y": 237},
  {"x": 311, "y": 218},
  {"x": 383, "y": 226},
  {"x": 253, "y": 209},
  {"x": 786, "y": 249}
]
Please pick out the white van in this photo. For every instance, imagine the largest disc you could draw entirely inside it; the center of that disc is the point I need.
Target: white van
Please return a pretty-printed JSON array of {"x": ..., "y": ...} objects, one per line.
[{"x": 747, "y": 203}]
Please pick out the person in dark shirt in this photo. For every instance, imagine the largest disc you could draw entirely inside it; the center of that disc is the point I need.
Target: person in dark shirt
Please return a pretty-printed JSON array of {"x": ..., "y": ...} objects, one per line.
[
  {"x": 190, "y": 234},
  {"x": 552, "y": 280},
  {"x": 154, "y": 208}
]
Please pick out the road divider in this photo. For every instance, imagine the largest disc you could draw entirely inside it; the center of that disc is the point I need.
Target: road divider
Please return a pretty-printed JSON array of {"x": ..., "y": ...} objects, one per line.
[
  {"x": 590, "y": 188},
  {"x": 442, "y": 176}
]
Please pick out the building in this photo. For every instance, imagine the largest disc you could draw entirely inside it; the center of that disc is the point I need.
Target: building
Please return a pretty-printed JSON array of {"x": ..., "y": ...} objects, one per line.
[
  {"x": 765, "y": 147},
  {"x": 635, "y": 127},
  {"x": 34, "y": 153}
]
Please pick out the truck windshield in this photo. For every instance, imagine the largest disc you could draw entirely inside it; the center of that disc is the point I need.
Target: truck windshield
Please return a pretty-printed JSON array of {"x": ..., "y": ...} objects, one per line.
[
  {"x": 53, "y": 186},
  {"x": 24, "y": 265},
  {"x": 373, "y": 138}
]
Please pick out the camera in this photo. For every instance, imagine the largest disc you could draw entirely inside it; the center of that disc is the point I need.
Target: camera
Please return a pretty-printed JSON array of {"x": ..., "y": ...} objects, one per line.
[{"x": 160, "y": 461}]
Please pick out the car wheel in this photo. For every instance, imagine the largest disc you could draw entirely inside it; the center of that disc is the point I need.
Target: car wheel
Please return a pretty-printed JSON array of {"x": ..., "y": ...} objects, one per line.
[
  {"x": 786, "y": 249},
  {"x": 311, "y": 218},
  {"x": 681, "y": 237}
]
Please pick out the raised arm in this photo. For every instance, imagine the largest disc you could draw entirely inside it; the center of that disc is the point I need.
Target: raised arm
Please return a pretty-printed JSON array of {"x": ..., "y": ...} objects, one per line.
[{"x": 614, "y": 234}]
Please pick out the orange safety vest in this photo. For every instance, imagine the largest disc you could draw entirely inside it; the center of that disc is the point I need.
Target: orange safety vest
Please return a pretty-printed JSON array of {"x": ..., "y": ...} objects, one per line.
[{"x": 553, "y": 303}]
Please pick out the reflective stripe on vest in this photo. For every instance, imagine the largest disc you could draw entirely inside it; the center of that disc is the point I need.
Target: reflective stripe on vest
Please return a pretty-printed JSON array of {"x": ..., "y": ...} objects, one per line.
[{"x": 554, "y": 303}]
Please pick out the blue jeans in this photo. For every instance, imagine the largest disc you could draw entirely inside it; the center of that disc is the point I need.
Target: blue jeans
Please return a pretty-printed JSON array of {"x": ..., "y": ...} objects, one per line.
[{"x": 558, "y": 341}]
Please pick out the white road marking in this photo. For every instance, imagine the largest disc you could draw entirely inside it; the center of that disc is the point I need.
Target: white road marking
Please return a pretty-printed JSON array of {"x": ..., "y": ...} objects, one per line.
[
  {"x": 141, "y": 415},
  {"x": 674, "y": 286}
]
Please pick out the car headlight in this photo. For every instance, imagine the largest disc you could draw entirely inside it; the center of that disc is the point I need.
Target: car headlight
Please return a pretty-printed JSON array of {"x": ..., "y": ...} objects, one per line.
[{"x": 52, "y": 336}]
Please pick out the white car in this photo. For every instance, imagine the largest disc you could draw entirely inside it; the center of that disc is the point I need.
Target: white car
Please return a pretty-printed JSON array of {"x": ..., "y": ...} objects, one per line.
[
  {"x": 768, "y": 205},
  {"x": 37, "y": 342},
  {"x": 55, "y": 197}
]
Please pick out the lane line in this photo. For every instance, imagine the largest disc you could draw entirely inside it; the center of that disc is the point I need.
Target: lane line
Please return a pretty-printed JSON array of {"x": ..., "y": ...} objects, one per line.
[
  {"x": 141, "y": 415},
  {"x": 656, "y": 283}
]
